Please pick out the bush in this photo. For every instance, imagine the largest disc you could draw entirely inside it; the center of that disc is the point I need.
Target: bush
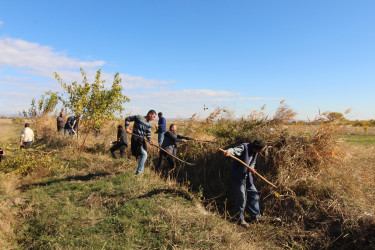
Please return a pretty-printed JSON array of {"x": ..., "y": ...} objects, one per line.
[{"x": 25, "y": 161}]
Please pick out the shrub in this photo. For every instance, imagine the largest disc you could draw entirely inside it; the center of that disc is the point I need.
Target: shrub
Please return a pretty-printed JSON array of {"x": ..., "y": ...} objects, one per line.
[{"x": 24, "y": 161}]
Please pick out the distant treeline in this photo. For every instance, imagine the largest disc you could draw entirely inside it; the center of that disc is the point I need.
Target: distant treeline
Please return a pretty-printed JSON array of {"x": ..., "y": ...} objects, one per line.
[{"x": 356, "y": 123}]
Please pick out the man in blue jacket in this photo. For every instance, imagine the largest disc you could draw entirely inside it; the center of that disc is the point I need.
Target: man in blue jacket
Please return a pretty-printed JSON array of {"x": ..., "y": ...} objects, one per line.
[
  {"x": 243, "y": 179},
  {"x": 162, "y": 128},
  {"x": 71, "y": 125}
]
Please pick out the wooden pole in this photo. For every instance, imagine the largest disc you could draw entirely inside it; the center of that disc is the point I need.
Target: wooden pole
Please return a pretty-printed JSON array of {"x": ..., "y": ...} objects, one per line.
[
  {"x": 188, "y": 163},
  {"x": 202, "y": 141},
  {"x": 251, "y": 169}
]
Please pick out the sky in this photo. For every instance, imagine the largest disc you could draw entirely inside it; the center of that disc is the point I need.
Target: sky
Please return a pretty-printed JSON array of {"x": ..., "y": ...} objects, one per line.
[{"x": 179, "y": 56}]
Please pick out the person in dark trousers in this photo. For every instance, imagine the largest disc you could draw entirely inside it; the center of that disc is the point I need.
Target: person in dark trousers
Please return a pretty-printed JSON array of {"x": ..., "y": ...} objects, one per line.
[
  {"x": 162, "y": 128},
  {"x": 171, "y": 138},
  {"x": 121, "y": 143},
  {"x": 60, "y": 124},
  {"x": 71, "y": 125},
  {"x": 2, "y": 154},
  {"x": 27, "y": 137},
  {"x": 142, "y": 127},
  {"x": 243, "y": 179}
]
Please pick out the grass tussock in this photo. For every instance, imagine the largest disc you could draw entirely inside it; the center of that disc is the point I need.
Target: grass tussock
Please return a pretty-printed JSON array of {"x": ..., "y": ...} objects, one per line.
[{"x": 303, "y": 160}]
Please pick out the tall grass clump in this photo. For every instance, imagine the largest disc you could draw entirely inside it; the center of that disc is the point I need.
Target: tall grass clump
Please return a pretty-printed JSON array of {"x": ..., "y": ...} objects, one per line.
[{"x": 296, "y": 161}]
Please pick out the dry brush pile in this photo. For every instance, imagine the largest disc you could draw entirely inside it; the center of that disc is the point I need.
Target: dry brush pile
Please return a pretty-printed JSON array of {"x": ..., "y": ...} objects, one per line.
[{"x": 296, "y": 161}]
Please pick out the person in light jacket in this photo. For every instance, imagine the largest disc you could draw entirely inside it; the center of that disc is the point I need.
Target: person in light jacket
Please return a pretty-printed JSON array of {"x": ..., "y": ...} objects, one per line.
[{"x": 27, "y": 137}]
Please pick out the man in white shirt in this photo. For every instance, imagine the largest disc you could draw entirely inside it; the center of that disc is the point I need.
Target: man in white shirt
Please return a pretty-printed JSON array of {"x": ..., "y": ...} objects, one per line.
[{"x": 27, "y": 136}]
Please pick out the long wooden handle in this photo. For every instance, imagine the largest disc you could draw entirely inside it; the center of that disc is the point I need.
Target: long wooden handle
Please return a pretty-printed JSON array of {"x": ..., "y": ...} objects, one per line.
[
  {"x": 202, "y": 141},
  {"x": 251, "y": 170},
  {"x": 188, "y": 163}
]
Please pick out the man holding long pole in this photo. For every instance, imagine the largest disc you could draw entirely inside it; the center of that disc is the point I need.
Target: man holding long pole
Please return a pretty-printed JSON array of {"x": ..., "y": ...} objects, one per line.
[
  {"x": 243, "y": 179},
  {"x": 170, "y": 141},
  {"x": 142, "y": 127}
]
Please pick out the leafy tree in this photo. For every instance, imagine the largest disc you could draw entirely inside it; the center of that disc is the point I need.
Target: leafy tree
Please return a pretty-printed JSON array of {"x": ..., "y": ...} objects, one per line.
[
  {"x": 93, "y": 102},
  {"x": 335, "y": 116},
  {"x": 43, "y": 107}
]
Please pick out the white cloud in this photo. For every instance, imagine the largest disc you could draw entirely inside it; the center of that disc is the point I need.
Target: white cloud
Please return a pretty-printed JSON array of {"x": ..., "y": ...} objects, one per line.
[
  {"x": 138, "y": 82},
  {"x": 1, "y": 23},
  {"x": 28, "y": 71},
  {"x": 184, "y": 103},
  {"x": 29, "y": 60},
  {"x": 38, "y": 60},
  {"x": 35, "y": 59},
  {"x": 196, "y": 95}
]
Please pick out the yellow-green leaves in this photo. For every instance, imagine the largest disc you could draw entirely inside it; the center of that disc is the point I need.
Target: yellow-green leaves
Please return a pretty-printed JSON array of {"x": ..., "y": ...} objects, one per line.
[{"x": 93, "y": 102}]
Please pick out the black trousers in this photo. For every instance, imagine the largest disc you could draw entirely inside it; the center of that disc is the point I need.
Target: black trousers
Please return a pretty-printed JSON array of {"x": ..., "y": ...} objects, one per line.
[
  {"x": 27, "y": 144},
  {"x": 118, "y": 146},
  {"x": 162, "y": 157}
]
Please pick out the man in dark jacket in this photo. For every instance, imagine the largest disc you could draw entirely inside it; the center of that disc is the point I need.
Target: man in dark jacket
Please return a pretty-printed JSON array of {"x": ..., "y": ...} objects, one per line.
[
  {"x": 162, "y": 128},
  {"x": 71, "y": 125},
  {"x": 243, "y": 179},
  {"x": 171, "y": 138},
  {"x": 121, "y": 143},
  {"x": 60, "y": 124}
]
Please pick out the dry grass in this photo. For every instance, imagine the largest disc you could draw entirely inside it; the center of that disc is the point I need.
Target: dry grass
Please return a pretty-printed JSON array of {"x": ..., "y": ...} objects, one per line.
[{"x": 325, "y": 196}]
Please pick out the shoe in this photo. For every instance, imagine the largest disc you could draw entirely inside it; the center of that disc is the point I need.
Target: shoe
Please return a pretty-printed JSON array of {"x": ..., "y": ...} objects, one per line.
[
  {"x": 243, "y": 223},
  {"x": 258, "y": 219}
]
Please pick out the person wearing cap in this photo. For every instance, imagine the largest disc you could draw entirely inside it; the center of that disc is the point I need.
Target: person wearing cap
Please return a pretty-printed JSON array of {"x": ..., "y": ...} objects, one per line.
[
  {"x": 121, "y": 143},
  {"x": 243, "y": 179},
  {"x": 27, "y": 137}
]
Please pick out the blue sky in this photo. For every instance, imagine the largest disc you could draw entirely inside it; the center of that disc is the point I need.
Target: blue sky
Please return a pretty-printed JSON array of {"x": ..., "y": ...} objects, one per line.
[{"x": 176, "y": 56}]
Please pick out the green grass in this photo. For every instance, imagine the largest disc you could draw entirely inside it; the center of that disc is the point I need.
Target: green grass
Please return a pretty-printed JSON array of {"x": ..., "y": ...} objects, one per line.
[
  {"x": 365, "y": 140},
  {"x": 116, "y": 211}
]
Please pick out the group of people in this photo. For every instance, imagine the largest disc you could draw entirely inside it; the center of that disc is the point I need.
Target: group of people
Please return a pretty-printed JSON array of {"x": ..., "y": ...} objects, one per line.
[
  {"x": 68, "y": 128},
  {"x": 246, "y": 194}
]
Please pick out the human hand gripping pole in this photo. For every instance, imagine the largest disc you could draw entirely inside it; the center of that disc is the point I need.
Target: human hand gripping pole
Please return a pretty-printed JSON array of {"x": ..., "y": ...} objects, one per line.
[
  {"x": 188, "y": 163},
  {"x": 251, "y": 169}
]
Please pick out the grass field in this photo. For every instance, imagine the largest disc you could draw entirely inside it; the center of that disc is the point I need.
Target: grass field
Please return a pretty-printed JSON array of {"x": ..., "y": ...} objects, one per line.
[
  {"x": 365, "y": 140},
  {"x": 88, "y": 200},
  {"x": 92, "y": 201}
]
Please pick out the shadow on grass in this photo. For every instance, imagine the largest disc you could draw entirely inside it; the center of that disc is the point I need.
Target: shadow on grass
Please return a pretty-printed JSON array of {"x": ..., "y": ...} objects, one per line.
[
  {"x": 180, "y": 193},
  {"x": 69, "y": 178}
]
